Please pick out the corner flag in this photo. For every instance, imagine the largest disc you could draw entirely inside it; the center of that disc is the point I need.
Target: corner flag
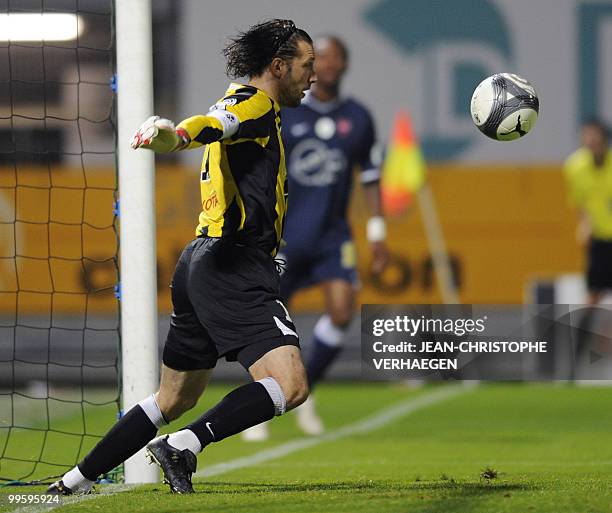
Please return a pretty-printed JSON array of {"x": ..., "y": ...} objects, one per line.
[{"x": 404, "y": 167}]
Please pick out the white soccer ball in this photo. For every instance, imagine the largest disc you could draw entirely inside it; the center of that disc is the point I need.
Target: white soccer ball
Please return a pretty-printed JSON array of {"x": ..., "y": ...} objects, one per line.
[{"x": 504, "y": 107}]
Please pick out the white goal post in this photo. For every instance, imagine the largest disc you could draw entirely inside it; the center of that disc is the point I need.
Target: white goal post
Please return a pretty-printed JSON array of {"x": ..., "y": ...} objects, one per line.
[{"x": 139, "y": 359}]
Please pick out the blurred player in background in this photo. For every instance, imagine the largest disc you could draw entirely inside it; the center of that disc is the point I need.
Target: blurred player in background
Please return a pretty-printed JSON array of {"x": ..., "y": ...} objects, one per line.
[
  {"x": 588, "y": 172},
  {"x": 326, "y": 138},
  {"x": 225, "y": 289}
]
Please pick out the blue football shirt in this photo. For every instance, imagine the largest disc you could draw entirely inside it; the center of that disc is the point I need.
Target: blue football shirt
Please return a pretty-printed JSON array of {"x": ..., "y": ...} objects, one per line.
[{"x": 324, "y": 143}]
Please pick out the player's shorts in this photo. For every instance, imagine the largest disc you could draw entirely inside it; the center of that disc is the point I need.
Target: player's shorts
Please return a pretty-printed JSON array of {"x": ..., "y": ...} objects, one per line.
[
  {"x": 226, "y": 303},
  {"x": 599, "y": 274},
  {"x": 338, "y": 261}
]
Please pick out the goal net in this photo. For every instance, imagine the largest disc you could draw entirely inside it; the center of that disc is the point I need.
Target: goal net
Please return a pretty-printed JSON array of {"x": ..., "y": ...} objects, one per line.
[{"x": 59, "y": 314}]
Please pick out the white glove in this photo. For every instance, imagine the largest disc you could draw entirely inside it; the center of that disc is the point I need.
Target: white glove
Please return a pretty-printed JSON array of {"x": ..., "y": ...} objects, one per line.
[{"x": 157, "y": 134}]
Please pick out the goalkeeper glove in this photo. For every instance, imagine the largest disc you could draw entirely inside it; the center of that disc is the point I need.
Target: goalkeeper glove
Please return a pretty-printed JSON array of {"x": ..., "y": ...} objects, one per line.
[{"x": 160, "y": 135}]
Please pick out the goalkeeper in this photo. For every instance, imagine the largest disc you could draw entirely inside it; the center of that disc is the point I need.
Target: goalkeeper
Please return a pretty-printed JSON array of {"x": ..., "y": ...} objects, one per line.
[{"x": 225, "y": 289}]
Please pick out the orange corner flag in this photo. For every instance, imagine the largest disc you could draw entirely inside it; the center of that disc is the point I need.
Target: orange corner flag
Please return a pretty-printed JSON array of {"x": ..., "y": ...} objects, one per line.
[{"x": 403, "y": 171}]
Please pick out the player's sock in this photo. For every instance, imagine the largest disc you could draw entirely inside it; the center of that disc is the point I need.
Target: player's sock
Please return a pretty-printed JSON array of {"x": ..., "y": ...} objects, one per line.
[
  {"x": 242, "y": 408},
  {"x": 185, "y": 439},
  {"x": 583, "y": 337},
  {"x": 133, "y": 431},
  {"x": 76, "y": 481},
  {"x": 327, "y": 345}
]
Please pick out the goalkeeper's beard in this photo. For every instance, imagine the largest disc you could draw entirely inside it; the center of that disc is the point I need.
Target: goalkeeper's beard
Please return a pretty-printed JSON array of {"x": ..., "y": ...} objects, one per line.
[{"x": 290, "y": 94}]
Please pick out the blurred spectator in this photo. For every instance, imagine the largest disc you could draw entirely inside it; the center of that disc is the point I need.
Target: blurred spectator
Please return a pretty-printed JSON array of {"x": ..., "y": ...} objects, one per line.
[{"x": 588, "y": 172}]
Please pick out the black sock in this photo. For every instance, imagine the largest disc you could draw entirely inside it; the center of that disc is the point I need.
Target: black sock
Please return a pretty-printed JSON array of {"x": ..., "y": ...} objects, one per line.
[
  {"x": 242, "y": 408},
  {"x": 583, "y": 337},
  {"x": 133, "y": 431},
  {"x": 321, "y": 357}
]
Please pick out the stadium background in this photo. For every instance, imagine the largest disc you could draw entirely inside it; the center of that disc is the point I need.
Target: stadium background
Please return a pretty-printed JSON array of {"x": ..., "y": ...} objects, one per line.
[
  {"x": 502, "y": 207},
  {"x": 507, "y": 198}
]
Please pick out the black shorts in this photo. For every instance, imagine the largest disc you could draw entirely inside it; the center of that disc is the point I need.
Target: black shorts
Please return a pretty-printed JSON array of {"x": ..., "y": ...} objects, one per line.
[
  {"x": 599, "y": 274},
  {"x": 332, "y": 261},
  {"x": 226, "y": 303}
]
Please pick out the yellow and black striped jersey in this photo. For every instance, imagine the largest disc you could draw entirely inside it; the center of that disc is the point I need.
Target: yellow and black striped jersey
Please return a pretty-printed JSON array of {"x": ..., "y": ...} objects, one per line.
[
  {"x": 243, "y": 178},
  {"x": 590, "y": 188}
]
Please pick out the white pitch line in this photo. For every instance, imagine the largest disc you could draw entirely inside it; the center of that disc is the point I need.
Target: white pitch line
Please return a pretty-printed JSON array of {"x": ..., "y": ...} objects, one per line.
[
  {"x": 366, "y": 425},
  {"x": 378, "y": 420}
]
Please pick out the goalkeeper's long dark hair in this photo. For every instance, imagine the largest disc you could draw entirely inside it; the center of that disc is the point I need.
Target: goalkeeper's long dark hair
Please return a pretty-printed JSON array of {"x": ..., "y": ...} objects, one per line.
[{"x": 252, "y": 51}]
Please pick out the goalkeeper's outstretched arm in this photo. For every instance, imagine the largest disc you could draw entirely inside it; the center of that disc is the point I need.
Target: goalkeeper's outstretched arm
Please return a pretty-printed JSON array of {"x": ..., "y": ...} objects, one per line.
[{"x": 160, "y": 135}]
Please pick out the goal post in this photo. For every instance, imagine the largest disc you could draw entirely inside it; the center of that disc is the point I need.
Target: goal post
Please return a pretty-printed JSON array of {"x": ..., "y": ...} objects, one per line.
[{"x": 138, "y": 289}]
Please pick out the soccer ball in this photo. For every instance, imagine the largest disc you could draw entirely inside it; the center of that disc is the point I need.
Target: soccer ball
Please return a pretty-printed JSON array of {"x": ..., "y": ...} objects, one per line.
[{"x": 504, "y": 107}]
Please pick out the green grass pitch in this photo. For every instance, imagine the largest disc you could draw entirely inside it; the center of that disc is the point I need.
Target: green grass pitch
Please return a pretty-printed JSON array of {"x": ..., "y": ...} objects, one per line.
[{"x": 541, "y": 448}]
